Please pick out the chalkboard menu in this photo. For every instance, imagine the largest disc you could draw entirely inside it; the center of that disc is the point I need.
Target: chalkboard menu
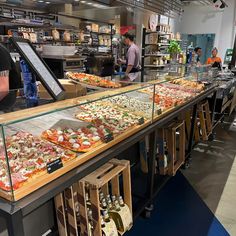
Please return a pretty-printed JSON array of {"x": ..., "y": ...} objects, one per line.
[{"x": 39, "y": 67}]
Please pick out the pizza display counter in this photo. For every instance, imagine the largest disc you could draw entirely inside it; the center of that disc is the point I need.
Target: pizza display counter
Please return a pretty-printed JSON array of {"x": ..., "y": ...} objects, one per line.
[{"x": 46, "y": 149}]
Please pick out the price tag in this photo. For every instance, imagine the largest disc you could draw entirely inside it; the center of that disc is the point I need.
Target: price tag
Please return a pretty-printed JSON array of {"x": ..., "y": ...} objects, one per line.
[
  {"x": 159, "y": 111},
  {"x": 141, "y": 121},
  {"x": 108, "y": 138},
  {"x": 54, "y": 165}
]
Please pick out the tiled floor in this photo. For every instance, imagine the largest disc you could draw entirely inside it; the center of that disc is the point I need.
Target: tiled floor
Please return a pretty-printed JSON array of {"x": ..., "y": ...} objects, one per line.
[
  {"x": 226, "y": 211},
  {"x": 213, "y": 174}
]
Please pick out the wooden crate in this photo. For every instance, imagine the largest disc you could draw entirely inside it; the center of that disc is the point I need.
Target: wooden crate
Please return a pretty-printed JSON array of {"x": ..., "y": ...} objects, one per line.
[
  {"x": 104, "y": 177},
  {"x": 203, "y": 128},
  {"x": 67, "y": 211},
  {"x": 61, "y": 214},
  {"x": 174, "y": 135}
]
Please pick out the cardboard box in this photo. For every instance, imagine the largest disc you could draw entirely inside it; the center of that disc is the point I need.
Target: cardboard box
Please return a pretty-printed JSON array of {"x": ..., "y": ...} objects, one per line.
[{"x": 72, "y": 90}]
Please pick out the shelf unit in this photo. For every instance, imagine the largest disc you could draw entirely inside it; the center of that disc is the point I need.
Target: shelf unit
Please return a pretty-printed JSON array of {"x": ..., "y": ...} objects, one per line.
[
  {"x": 50, "y": 26},
  {"x": 157, "y": 55}
]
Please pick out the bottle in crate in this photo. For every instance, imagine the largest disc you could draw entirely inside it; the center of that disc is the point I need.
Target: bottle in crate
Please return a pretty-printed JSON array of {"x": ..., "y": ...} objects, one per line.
[
  {"x": 121, "y": 215},
  {"x": 108, "y": 225},
  {"x": 90, "y": 220},
  {"x": 108, "y": 198},
  {"x": 101, "y": 196},
  {"x": 103, "y": 205},
  {"x": 113, "y": 198}
]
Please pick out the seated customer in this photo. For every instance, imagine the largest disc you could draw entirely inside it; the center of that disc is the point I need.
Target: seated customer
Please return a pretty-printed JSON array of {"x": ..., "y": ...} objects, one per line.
[{"x": 214, "y": 59}]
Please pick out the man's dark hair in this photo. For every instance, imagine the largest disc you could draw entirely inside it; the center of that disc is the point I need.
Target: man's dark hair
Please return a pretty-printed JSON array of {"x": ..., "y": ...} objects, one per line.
[
  {"x": 196, "y": 49},
  {"x": 129, "y": 36}
]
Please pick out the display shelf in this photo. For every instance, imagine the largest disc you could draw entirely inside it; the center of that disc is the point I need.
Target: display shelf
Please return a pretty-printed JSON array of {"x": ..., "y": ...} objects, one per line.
[
  {"x": 154, "y": 66},
  {"x": 152, "y": 56},
  {"x": 157, "y": 44},
  {"x": 157, "y": 55},
  {"x": 157, "y": 32},
  {"x": 163, "y": 44},
  {"x": 102, "y": 33}
]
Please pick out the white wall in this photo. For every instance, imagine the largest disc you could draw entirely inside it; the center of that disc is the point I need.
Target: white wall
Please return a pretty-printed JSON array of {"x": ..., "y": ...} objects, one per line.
[{"x": 204, "y": 19}]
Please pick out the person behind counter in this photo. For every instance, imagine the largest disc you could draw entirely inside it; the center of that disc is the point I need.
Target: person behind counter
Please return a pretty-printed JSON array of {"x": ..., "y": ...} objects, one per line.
[
  {"x": 214, "y": 60},
  {"x": 132, "y": 62},
  {"x": 10, "y": 80},
  {"x": 198, "y": 54}
]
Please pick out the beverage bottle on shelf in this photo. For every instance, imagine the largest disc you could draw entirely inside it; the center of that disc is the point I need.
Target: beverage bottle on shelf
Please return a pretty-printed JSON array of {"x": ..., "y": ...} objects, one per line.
[
  {"x": 103, "y": 205},
  {"x": 121, "y": 201},
  {"x": 90, "y": 222},
  {"x": 110, "y": 205},
  {"x": 108, "y": 225},
  {"x": 88, "y": 203},
  {"x": 108, "y": 198},
  {"x": 113, "y": 198},
  {"x": 101, "y": 196},
  {"x": 121, "y": 215}
]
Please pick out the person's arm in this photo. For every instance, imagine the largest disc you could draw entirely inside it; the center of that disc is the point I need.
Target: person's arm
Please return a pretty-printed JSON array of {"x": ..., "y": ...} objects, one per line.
[
  {"x": 121, "y": 61},
  {"x": 4, "y": 84},
  {"x": 128, "y": 69}
]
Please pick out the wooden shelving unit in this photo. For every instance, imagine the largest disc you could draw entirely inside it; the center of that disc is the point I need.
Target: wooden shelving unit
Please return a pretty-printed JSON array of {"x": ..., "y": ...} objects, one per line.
[{"x": 158, "y": 45}]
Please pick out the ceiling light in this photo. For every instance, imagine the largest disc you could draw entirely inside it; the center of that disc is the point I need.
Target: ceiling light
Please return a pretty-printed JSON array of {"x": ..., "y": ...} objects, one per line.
[
  {"x": 83, "y": 1},
  {"x": 47, "y": 2},
  {"x": 40, "y": 1},
  {"x": 89, "y": 3}
]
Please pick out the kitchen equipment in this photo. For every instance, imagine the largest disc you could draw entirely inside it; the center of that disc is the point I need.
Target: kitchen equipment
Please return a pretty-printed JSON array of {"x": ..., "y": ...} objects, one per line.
[{"x": 52, "y": 50}]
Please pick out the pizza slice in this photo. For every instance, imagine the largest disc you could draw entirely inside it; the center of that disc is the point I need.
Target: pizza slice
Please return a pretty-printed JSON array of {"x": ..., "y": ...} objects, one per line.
[{"x": 83, "y": 139}]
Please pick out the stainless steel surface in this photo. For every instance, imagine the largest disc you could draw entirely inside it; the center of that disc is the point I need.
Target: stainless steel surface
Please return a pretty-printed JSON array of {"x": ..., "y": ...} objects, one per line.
[{"x": 66, "y": 58}]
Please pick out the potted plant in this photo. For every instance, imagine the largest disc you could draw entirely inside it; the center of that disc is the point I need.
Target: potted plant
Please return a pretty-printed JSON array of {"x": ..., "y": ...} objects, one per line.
[{"x": 174, "y": 49}]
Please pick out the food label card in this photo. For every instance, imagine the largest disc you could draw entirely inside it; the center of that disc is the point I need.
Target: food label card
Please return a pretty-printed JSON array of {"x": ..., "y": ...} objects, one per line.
[{"x": 54, "y": 165}]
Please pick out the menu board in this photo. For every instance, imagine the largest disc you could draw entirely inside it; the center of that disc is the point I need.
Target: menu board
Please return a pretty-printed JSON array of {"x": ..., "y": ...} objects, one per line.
[{"x": 39, "y": 67}]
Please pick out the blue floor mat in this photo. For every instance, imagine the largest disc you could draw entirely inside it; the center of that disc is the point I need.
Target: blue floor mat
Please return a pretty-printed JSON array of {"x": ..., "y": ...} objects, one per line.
[{"x": 179, "y": 211}]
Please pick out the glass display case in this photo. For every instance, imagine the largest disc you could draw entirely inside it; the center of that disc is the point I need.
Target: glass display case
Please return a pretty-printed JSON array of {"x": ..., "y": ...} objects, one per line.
[
  {"x": 38, "y": 147},
  {"x": 41, "y": 144}
]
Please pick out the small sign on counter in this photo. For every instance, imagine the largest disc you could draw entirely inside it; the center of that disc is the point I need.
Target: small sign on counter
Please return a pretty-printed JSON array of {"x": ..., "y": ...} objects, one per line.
[
  {"x": 54, "y": 165},
  {"x": 141, "y": 121},
  {"x": 108, "y": 138}
]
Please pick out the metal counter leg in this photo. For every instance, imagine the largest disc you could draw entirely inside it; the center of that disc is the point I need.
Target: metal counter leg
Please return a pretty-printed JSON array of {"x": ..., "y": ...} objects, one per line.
[
  {"x": 151, "y": 172},
  {"x": 191, "y": 136},
  {"x": 15, "y": 224}
]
